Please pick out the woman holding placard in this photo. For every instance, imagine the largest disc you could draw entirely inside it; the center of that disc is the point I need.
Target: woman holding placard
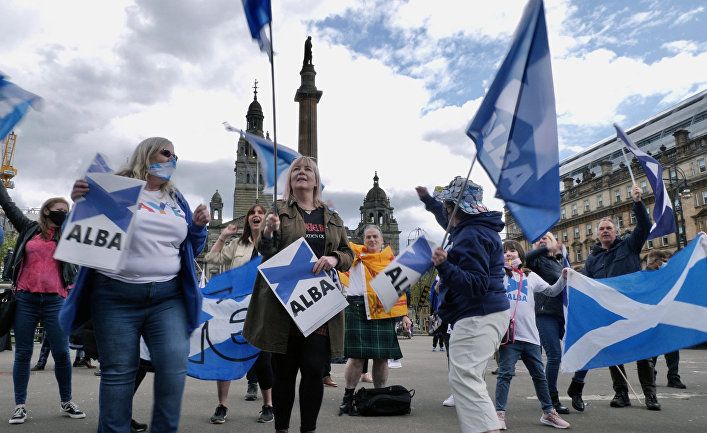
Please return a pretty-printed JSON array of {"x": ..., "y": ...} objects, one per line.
[{"x": 268, "y": 326}]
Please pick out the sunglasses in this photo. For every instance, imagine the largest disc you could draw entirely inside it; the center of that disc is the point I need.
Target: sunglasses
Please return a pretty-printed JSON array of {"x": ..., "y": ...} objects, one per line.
[{"x": 168, "y": 154}]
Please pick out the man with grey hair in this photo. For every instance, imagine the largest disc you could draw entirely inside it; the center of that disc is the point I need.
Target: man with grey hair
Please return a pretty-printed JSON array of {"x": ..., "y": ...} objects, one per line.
[
  {"x": 610, "y": 257},
  {"x": 369, "y": 330}
]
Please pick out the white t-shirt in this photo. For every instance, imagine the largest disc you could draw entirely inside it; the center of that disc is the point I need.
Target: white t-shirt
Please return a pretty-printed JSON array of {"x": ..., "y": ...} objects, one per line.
[
  {"x": 357, "y": 281},
  {"x": 526, "y": 328},
  {"x": 159, "y": 229}
]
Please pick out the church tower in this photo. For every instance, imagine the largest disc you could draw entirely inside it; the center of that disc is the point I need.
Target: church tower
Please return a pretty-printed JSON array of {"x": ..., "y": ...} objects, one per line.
[
  {"x": 249, "y": 181},
  {"x": 308, "y": 97},
  {"x": 376, "y": 209}
]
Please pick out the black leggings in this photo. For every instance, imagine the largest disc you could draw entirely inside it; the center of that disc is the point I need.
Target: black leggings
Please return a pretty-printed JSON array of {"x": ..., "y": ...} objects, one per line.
[
  {"x": 263, "y": 370},
  {"x": 309, "y": 356}
]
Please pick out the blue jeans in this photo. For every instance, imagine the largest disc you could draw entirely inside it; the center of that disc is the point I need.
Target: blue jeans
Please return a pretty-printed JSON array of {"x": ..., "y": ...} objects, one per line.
[
  {"x": 551, "y": 329},
  {"x": 530, "y": 354},
  {"x": 31, "y": 308},
  {"x": 122, "y": 313}
]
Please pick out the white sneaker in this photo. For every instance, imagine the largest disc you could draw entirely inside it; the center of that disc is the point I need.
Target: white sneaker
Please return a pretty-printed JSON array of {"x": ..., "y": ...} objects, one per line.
[
  {"x": 19, "y": 415},
  {"x": 501, "y": 414},
  {"x": 449, "y": 402},
  {"x": 395, "y": 363},
  {"x": 554, "y": 420}
]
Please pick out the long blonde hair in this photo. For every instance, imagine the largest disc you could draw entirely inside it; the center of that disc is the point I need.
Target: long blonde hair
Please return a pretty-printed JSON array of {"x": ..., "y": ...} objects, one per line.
[
  {"x": 139, "y": 161},
  {"x": 306, "y": 162}
]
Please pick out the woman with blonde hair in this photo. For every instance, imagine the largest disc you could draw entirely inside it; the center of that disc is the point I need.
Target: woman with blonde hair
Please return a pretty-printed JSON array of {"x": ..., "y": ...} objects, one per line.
[
  {"x": 41, "y": 286},
  {"x": 154, "y": 295},
  {"x": 237, "y": 253},
  {"x": 268, "y": 326}
]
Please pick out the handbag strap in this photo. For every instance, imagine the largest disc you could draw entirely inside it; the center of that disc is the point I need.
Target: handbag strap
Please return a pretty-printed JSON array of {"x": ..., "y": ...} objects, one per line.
[{"x": 520, "y": 286}]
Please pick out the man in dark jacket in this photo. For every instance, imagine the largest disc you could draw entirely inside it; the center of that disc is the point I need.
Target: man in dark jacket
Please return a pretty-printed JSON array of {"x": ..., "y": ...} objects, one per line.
[{"x": 612, "y": 257}]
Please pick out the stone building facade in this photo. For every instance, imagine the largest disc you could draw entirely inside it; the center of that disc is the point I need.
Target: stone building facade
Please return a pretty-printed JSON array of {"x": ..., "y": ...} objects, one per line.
[{"x": 596, "y": 183}]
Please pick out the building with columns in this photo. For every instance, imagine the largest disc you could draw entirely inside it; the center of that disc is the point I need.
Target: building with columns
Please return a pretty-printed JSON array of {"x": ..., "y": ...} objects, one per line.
[
  {"x": 376, "y": 209},
  {"x": 596, "y": 183}
]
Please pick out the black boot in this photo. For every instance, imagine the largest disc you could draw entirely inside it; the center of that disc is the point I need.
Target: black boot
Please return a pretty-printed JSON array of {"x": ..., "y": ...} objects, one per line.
[
  {"x": 564, "y": 410},
  {"x": 345, "y": 406},
  {"x": 621, "y": 399},
  {"x": 575, "y": 393},
  {"x": 652, "y": 402}
]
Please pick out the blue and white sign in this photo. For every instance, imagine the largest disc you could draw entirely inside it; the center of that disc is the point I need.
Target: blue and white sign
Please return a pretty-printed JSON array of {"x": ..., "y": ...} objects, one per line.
[
  {"x": 217, "y": 349},
  {"x": 403, "y": 272},
  {"x": 311, "y": 300},
  {"x": 97, "y": 231},
  {"x": 617, "y": 320}
]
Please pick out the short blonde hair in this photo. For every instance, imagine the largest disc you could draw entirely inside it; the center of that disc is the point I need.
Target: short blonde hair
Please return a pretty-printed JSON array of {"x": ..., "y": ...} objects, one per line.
[
  {"x": 139, "y": 161},
  {"x": 317, "y": 193}
]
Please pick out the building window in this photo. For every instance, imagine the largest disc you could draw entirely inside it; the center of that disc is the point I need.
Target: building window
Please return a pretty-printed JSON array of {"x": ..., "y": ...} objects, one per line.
[
  {"x": 576, "y": 232},
  {"x": 628, "y": 191},
  {"x": 633, "y": 218},
  {"x": 562, "y": 213},
  {"x": 701, "y": 165},
  {"x": 644, "y": 187},
  {"x": 565, "y": 237},
  {"x": 650, "y": 244},
  {"x": 617, "y": 195},
  {"x": 586, "y": 205},
  {"x": 600, "y": 201},
  {"x": 578, "y": 255},
  {"x": 704, "y": 197},
  {"x": 664, "y": 241},
  {"x": 574, "y": 209},
  {"x": 620, "y": 221},
  {"x": 589, "y": 229}
]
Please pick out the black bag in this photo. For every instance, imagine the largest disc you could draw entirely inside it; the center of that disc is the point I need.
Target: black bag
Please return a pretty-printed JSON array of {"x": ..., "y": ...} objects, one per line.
[
  {"x": 391, "y": 400},
  {"x": 7, "y": 311}
]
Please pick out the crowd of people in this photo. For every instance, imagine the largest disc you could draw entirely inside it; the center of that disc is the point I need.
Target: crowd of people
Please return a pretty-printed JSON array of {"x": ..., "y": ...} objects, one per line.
[{"x": 484, "y": 285}]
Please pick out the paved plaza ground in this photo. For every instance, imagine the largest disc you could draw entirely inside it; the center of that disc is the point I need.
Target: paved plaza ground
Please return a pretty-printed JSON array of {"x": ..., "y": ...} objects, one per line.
[{"x": 424, "y": 370}]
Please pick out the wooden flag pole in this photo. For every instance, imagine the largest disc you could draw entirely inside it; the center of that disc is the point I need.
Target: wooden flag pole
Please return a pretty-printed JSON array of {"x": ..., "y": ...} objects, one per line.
[{"x": 628, "y": 164}]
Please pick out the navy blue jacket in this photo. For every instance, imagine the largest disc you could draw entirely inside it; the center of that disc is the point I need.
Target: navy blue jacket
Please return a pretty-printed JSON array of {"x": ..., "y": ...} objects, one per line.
[
  {"x": 472, "y": 276},
  {"x": 624, "y": 255},
  {"x": 549, "y": 269}
]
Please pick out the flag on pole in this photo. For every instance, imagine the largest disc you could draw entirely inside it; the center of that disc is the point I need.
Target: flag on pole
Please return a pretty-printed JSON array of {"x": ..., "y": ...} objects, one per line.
[
  {"x": 265, "y": 150},
  {"x": 515, "y": 129},
  {"x": 258, "y": 13},
  {"x": 663, "y": 216},
  {"x": 14, "y": 103},
  {"x": 636, "y": 316}
]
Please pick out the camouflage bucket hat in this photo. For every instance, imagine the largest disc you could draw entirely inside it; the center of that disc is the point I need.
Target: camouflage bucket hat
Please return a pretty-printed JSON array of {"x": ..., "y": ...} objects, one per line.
[{"x": 471, "y": 198}]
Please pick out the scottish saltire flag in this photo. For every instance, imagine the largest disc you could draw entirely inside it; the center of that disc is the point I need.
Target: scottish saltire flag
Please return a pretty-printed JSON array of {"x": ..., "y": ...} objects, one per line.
[
  {"x": 406, "y": 270},
  {"x": 14, "y": 103},
  {"x": 636, "y": 316},
  {"x": 258, "y": 13},
  {"x": 99, "y": 165},
  {"x": 265, "y": 150},
  {"x": 663, "y": 217},
  {"x": 310, "y": 300},
  {"x": 217, "y": 349},
  {"x": 515, "y": 129}
]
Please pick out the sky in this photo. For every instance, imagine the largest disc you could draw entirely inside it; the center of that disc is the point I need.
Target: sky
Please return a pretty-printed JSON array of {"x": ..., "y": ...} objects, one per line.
[{"x": 401, "y": 81}]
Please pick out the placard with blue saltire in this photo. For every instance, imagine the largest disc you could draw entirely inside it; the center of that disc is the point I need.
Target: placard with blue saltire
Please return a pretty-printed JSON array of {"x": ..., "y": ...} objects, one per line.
[
  {"x": 637, "y": 316},
  {"x": 217, "y": 349},
  {"x": 403, "y": 272},
  {"x": 310, "y": 300}
]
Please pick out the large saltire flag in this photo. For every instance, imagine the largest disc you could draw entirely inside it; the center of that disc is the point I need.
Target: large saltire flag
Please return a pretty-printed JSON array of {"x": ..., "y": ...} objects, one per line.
[
  {"x": 14, "y": 103},
  {"x": 636, "y": 316},
  {"x": 265, "y": 150},
  {"x": 515, "y": 129},
  {"x": 258, "y": 14},
  {"x": 217, "y": 349},
  {"x": 663, "y": 216}
]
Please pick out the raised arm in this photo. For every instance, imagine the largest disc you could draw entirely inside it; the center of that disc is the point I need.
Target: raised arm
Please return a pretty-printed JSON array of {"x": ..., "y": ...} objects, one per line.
[
  {"x": 433, "y": 206},
  {"x": 14, "y": 214}
]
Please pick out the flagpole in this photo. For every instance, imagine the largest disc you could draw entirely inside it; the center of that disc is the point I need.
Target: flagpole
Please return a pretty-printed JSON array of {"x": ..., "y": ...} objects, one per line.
[
  {"x": 628, "y": 164},
  {"x": 274, "y": 118},
  {"x": 456, "y": 204}
]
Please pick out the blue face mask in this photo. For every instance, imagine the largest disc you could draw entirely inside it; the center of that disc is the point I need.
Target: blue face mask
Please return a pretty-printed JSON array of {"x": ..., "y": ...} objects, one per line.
[{"x": 163, "y": 170}]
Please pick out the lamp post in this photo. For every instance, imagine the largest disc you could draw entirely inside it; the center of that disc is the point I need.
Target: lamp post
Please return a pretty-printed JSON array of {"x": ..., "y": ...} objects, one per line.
[{"x": 678, "y": 187}]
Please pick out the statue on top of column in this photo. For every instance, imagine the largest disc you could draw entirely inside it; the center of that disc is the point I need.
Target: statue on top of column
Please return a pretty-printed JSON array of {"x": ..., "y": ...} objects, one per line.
[{"x": 307, "y": 52}]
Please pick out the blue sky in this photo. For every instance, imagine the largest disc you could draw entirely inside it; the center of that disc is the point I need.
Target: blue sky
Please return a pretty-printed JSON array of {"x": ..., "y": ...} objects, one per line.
[{"x": 401, "y": 81}]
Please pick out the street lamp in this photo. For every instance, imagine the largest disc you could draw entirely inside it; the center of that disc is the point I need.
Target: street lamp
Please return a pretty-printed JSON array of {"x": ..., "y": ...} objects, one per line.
[
  {"x": 418, "y": 231},
  {"x": 678, "y": 187}
]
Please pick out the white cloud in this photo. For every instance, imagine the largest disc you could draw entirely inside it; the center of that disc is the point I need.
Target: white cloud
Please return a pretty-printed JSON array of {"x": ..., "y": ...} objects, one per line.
[
  {"x": 689, "y": 15},
  {"x": 681, "y": 46}
]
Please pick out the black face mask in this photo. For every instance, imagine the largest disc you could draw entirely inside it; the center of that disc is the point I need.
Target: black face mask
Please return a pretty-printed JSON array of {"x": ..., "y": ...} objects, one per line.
[{"x": 57, "y": 217}]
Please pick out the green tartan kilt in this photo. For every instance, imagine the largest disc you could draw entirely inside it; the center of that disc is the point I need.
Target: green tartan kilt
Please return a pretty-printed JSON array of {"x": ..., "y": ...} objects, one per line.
[{"x": 368, "y": 339}]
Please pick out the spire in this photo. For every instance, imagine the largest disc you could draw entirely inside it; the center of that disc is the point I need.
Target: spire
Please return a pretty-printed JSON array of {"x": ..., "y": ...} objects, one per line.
[
  {"x": 375, "y": 179},
  {"x": 254, "y": 118}
]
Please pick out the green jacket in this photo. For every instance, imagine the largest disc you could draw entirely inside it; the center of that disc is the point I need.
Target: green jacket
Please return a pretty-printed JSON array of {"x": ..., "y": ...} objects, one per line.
[{"x": 267, "y": 325}]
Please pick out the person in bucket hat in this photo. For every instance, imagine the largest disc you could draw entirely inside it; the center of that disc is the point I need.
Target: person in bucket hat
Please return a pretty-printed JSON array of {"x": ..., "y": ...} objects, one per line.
[{"x": 473, "y": 296}]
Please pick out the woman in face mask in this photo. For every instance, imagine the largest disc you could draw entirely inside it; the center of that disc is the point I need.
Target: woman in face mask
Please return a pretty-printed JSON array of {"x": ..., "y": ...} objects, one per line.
[
  {"x": 153, "y": 295},
  {"x": 40, "y": 284}
]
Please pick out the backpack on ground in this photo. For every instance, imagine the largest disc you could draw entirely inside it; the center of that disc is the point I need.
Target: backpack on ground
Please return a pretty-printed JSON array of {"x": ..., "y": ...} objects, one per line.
[{"x": 391, "y": 400}]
